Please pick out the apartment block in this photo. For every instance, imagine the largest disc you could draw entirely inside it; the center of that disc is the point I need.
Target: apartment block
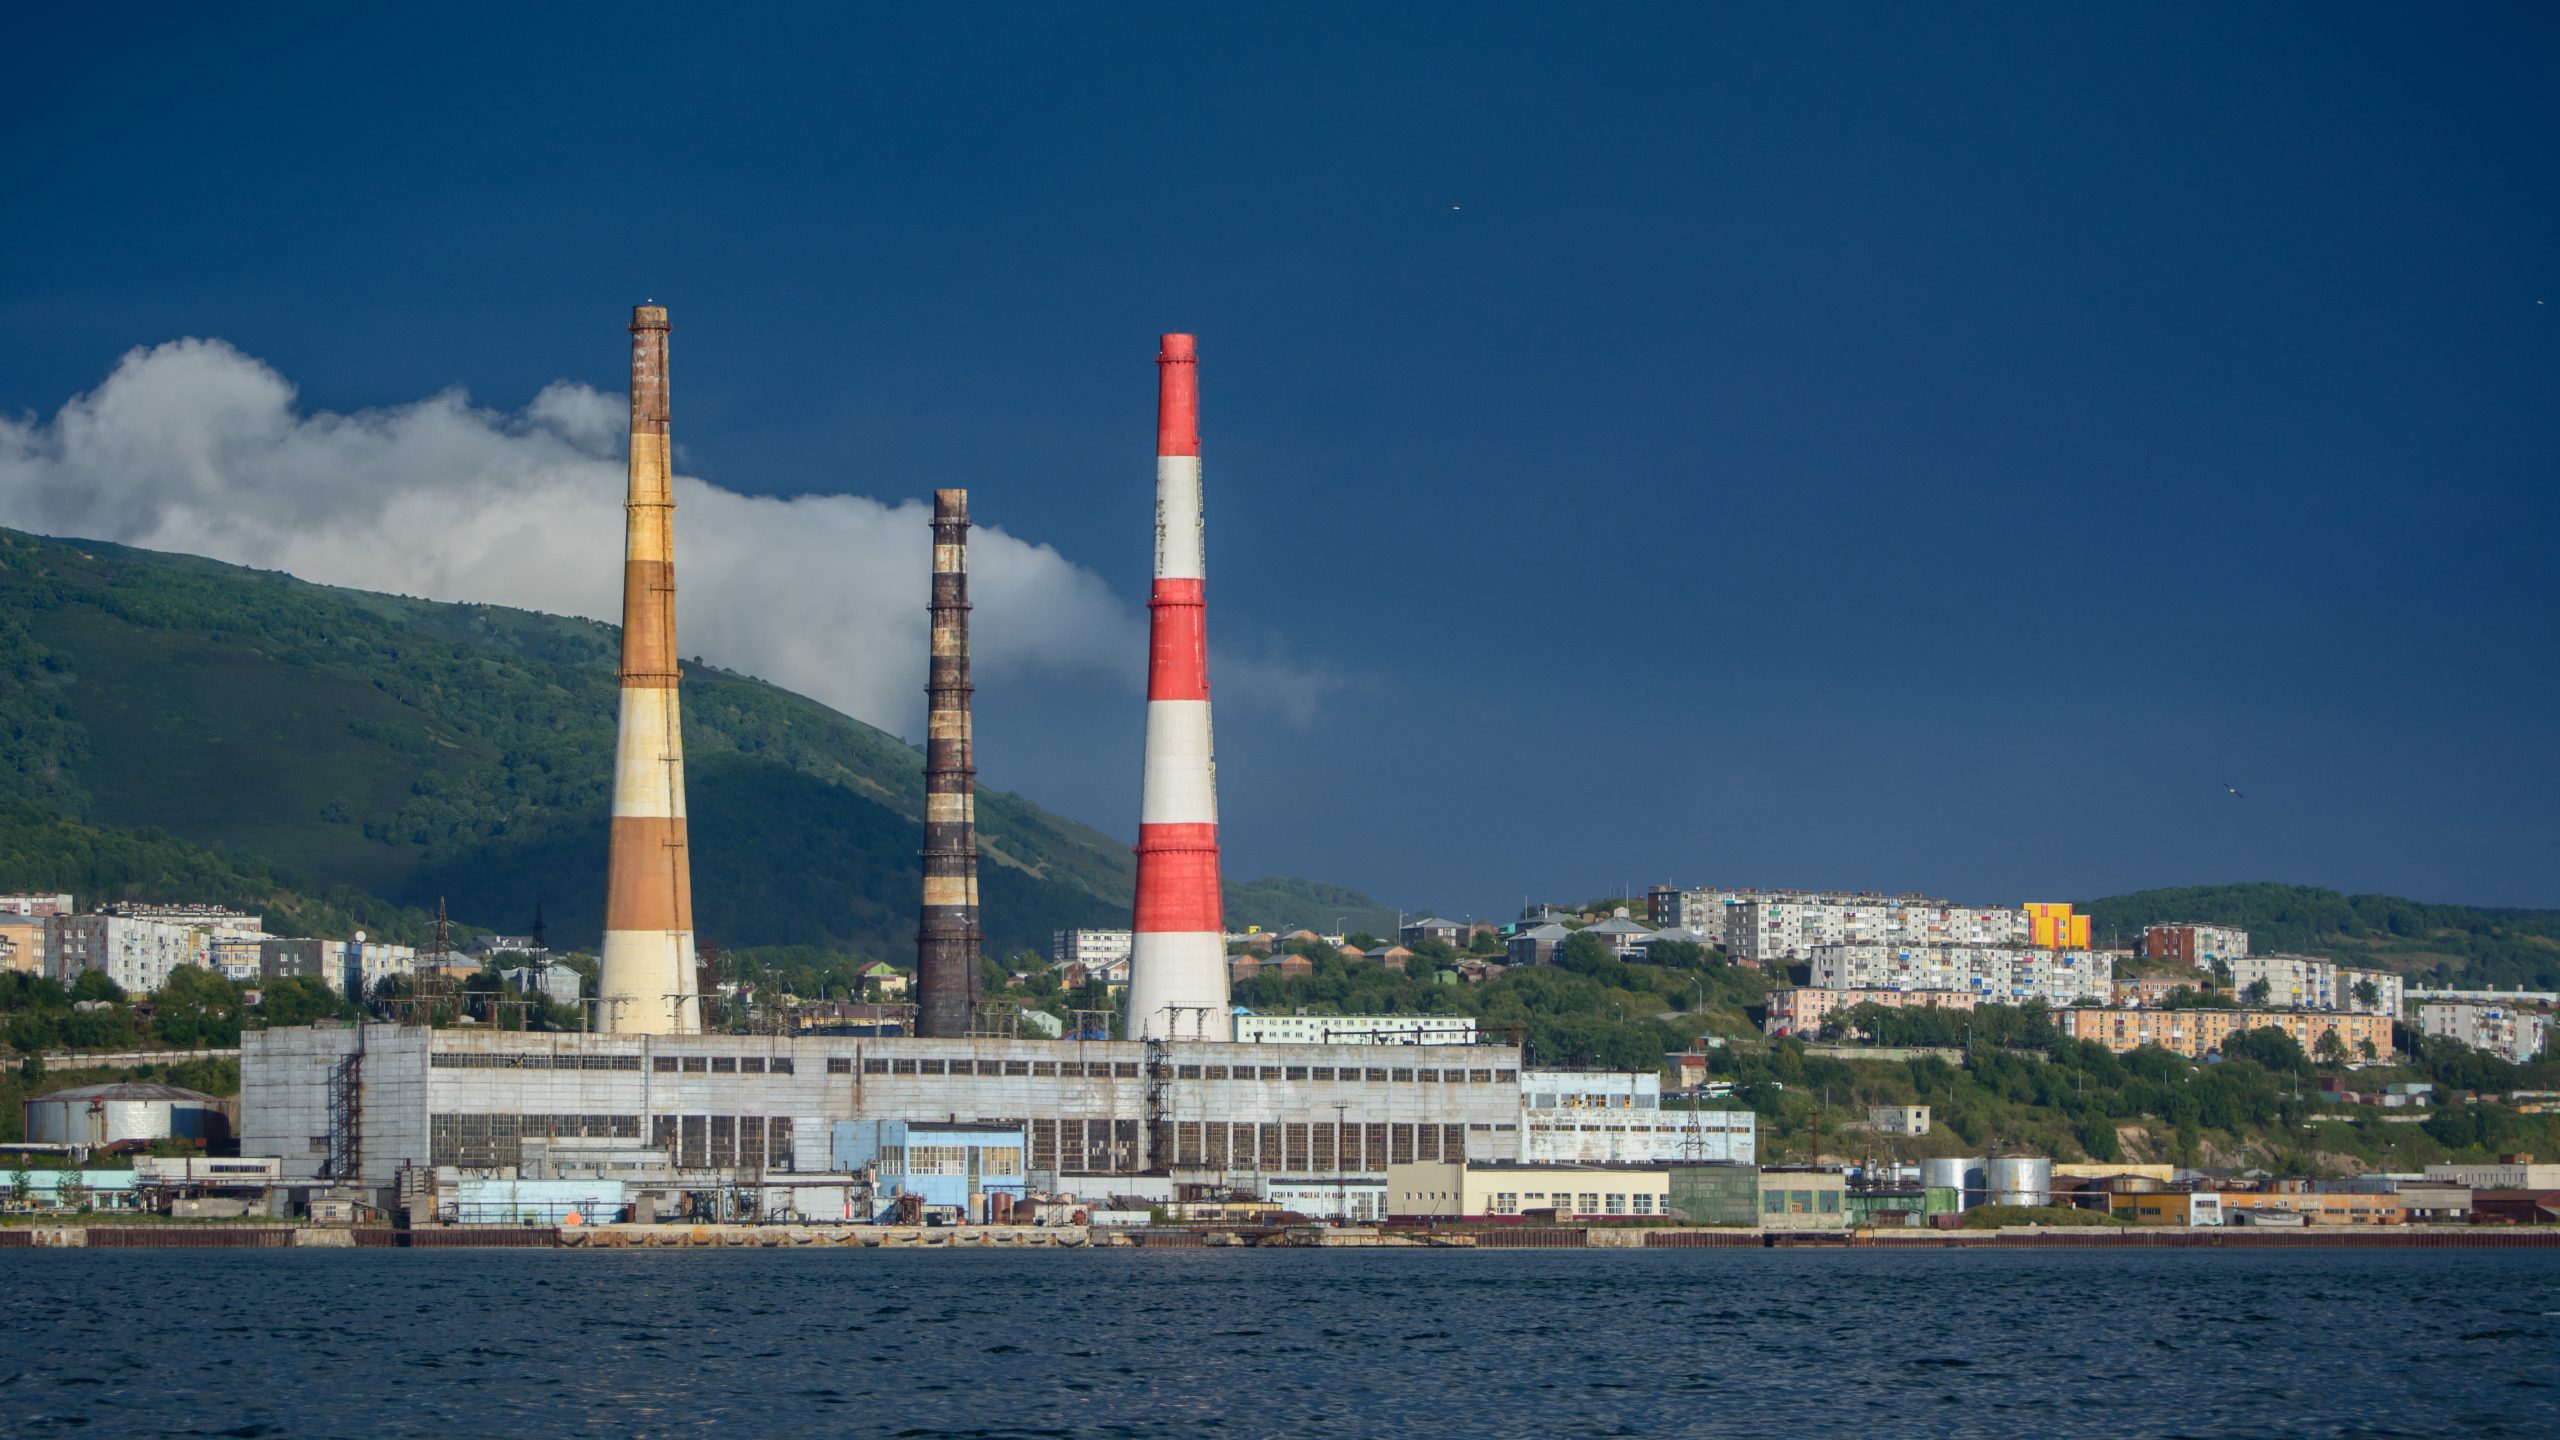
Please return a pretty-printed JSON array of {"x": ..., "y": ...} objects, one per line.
[
  {"x": 1803, "y": 1009},
  {"x": 1093, "y": 949},
  {"x": 2506, "y": 1031},
  {"x": 2197, "y": 945},
  {"x": 2197, "y": 1033},
  {"x": 2311, "y": 983},
  {"x": 136, "y": 953},
  {"x": 1994, "y": 974}
]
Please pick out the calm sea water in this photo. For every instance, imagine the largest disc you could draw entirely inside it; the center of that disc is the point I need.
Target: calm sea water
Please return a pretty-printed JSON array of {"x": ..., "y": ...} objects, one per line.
[{"x": 1300, "y": 1343}]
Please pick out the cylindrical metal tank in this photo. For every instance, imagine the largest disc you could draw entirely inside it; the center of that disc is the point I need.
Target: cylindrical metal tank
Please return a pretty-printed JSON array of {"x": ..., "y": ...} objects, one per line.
[
  {"x": 2021, "y": 1180},
  {"x": 1967, "y": 1177},
  {"x": 97, "y": 1116}
]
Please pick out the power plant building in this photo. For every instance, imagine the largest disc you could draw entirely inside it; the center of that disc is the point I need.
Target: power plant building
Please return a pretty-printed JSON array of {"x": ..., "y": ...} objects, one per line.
[{"x": 360, "y": 1103}]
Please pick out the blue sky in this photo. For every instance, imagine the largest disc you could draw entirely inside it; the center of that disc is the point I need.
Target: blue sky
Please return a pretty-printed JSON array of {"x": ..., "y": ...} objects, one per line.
[{"x": 1839, "y": 446}]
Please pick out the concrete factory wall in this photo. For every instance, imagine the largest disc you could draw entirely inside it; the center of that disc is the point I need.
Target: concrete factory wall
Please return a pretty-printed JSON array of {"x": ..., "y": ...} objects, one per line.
[{"x": 463, "y": 1097}]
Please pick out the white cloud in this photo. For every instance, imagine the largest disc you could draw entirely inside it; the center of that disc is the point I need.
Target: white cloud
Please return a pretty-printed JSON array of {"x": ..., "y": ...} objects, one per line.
[{"x": 194, "y": 446}]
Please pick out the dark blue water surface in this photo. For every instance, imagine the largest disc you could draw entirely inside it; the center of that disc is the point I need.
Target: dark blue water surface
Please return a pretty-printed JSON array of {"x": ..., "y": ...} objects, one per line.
[{"x": 1298, "y": 1343}]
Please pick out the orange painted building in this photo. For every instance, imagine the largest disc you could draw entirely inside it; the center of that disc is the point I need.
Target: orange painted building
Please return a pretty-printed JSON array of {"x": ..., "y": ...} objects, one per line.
[
  {"x": 2197, "y": 1033},
  {"x": 2052, "y": 926}
]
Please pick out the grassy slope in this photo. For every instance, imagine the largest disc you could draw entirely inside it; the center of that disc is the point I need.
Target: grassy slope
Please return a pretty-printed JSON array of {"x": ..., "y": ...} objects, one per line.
[{"x": 421, "y": 750}]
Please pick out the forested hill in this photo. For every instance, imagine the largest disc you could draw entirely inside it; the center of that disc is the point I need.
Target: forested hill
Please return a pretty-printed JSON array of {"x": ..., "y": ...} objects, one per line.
[
  {"x": 2434, "y": 944},
  {"x": 338, "y": 747}
]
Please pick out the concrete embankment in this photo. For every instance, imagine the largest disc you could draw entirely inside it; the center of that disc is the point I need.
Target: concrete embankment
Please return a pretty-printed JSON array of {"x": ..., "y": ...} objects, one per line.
[{"x": 1077, "y": 1237}]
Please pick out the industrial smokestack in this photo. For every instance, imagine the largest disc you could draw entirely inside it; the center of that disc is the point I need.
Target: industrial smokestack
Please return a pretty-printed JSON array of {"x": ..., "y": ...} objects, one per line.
[
  {"x": 646, "y": 981},
  {"x": 947, "y": 940},
  {"x": 1178, "y": 966}
]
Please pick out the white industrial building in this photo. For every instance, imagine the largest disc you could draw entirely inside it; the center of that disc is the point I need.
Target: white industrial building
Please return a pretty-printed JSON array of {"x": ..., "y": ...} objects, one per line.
[
  {"x": 2506, "y": 1031},
  {"x": 362, "y": 1103},
  {"x": 1991, "y": 973},
  {"x": 1601, "y": 1117},
  {"x": 1252, "y": 1029}
]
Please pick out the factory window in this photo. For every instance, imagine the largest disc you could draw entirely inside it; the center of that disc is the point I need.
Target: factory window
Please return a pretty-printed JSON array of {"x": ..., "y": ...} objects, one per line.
[
  {"x": 693, "y": 1142},
  {"x": 1830, "y": 1202},
  {"x": 936, "y": 1067},
  {"x": 1643, "y": 1205},
  {"x": 1320, "y": 1072},
  {"x": 1586, "y": 1203},
  {"x": 750, "y": 1064},
  {"x": 1506, "y": 1077},
  {"x": 1617, "y": 1205},
  {"x": 779, "y": 1065},
  {"x": 1045, "y": 1069},
  {"x": 937, "y": 1159},
  {"x": 1017, "y": 1067},
  {"x": 1505, "y": 1202},
  {"x": 664, "y": 1064},
  {"x": 843, "y": 1065},
  {"x": 1269, "y": 1072},
  {"x": 1379, "y": 1075},
  {"x": 320, "y": 1143},
  {"x": 692, "y": 1064},
  {"x": 1213, "y": 1072},
  {"x": 906, "y": 1067},
  {"x": 1297, "y": 1072},
  {"x": 1125, "y": 1069},
  {"x": 1404, "y": 1075},
  {"x": 724, "y": 1064},
  {"x": 1427, "y": 1076},
  {"x": 1479, "y": 1077},
  {"x": 1000, "y": 1160}
]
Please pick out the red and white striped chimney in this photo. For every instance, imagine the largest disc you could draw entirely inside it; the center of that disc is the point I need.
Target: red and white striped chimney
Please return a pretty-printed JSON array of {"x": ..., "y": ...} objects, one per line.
[{"x": 1178, "y": 962}]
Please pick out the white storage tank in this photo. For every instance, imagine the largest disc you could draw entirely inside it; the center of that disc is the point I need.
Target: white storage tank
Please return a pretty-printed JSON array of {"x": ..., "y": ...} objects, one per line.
[
  {"x": 1967, "y": 1177},
  {"x": 2022, "y": 1180},
  {"x": 97, "y": 1116}
]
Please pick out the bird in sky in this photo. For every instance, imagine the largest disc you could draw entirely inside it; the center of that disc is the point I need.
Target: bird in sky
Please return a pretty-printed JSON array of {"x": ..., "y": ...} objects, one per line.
[{"x": 2234, "y": 789}]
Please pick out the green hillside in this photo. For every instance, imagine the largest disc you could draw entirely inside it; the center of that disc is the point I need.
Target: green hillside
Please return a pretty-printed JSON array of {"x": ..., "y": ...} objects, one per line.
[
  {"x": 2461, "y": 945},
  {"x": 333, "y": 744}
]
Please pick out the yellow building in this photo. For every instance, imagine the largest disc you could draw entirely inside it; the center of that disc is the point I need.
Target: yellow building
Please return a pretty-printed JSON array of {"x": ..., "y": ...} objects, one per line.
[
  {"x": 22, "y": 943},
  {"x": 2198, "y": 1033},
  {"x": 1496, "y": 1190},
  {"x": 2097, "y": 1170},
  {"x": 2166, "y": 1207},
  {"x": 2318, "y": 1209},
  {"x": 2052, "y": 926}
]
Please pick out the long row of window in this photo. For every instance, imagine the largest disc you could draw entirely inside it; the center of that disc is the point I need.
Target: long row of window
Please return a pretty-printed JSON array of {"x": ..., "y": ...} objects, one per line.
[{"x": 1130, "y": 1070}]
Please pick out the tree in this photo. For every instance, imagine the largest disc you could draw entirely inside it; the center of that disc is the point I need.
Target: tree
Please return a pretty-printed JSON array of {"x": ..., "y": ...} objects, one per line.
[
  {"x": 2330, "y": 1049},
  {"x": 1678, "y": 954},
  {"x": 2368, "y": 994},
  {"x": 2257, "y": 992},
  {"x": 2268, "y": 1046}
]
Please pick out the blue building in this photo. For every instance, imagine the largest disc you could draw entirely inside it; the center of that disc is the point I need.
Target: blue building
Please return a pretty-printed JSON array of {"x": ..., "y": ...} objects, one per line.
[{"x": 945, "y": 1163}]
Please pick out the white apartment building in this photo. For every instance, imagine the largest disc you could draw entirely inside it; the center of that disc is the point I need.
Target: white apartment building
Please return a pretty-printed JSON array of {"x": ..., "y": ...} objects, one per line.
[
  {"x": 2510, "y": 1033},
  {"x": 1899, "y": 1119},
  {"x": 1093, "y": 948},
  {"x": 1771, "y": 931},
  {"x": 137, "y": 954},
  {"x": 1994, "y": 974},
  {"x": 211, "y": 919},
  {"x": 1355, "y": 1029},
  {"x": 2307, "y": 982},
  {"x": 35, "y": 905},
  {"x": 1587, "y": 1117}
]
